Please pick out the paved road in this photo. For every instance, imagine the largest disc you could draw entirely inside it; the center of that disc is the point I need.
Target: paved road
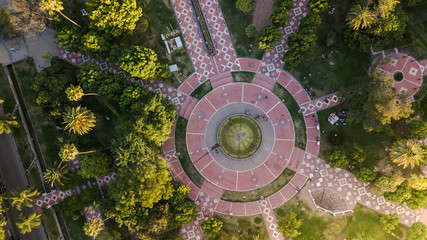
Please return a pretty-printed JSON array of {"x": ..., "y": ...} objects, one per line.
[{"x": 14, "y": 176}]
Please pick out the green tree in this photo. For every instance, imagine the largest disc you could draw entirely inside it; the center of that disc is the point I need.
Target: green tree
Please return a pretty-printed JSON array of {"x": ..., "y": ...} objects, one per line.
[
  {"x": 418, "y": 199},
  {"x": 93, "y": 227},
  {"x": 7, "y": 122},
  {"x": 28, "y": 222},
  {"x": 109, "y": 234},
  {"x": 289, "y": 225},
  {"x": 356, "y": 156},
  {"x": 95, "y": 164},
  {"x": 78, "y": 201},
  {"x": 56, "y": 174},
  {"x": 246, "y": 6},
  {"x": 268, "y": 37},
  {"x": 139, "y": 62},
  {"x": 110, "y": 86},
  {"x": 133, "y": 93},
  {"x": 55, "y": 6},
  {"x": 292, "y": 58},
  {"x": 70, "y": 38},
  {"x": 360, "y": 17},
  {"x": 2, "y": 231},
  {"x": 6, "y": 28},
  {"x": 386, "y": 7},
  {"x": 337, "y": 160},
  {"x": 251, "y": 31},
  {"x": 185, "y": 210},
  {"x": 79, "y": 120},
  {"x": 24, "y": 198},
  {"x": 416, "y": 129},
  {"x": 418, "y": 231},
  {"x": 95, "y": 43},
  {"x": 89, "y": 77},
  {"x": 402, "y": 193},
  {"x": 366, "y": 175},
  {"x": 385, "y": 184},
  {"x": 417, "y": 182},
  {"x": 407, "y": 153},
  {"x": 279, "y": 16},
  {"x": 114, "y": 17},
  {"x": 68, "y": 152},
  {"x": 389, "y": 222},
  {"x": 212, "y": 227},
  {"x": 318, "y": 6}
]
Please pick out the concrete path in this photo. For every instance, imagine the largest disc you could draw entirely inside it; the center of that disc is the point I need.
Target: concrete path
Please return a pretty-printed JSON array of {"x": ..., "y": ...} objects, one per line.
[{"x": 42, "y": 48}]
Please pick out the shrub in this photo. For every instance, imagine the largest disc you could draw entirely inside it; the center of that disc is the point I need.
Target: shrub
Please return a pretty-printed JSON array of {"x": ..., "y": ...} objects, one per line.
[
  {"x": 418, "y": 231},
  {"x": 251, "y": 31},
  {"x": 416, "y": 129},
  {"x": 268, "y": 37},
  {"x": 257, "y": 220},
  {"x": 356, "y": 156},
  {"x": 279, "y": 16},
  {"x": 246, "y": 6},
  {"x": 95, "y": 164},
  {"x": 389, "y": 222},
  {"x": 365, "y": 175},
  {"x": 77, "y": 202},
  {"x": 212, "y": 227},
  {"x": 337, "y": 160},
  {"x": 318, "y": 5}
]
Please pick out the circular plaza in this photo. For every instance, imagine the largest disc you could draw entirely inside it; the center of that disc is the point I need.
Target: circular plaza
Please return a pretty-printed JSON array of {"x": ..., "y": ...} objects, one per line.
[{"x": 240, "y": 136}]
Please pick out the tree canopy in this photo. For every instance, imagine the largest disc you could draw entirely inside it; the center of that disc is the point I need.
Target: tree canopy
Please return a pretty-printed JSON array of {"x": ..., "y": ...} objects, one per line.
[
  {"x": 95, "y": 164},
  {"x": 139, "y": 62}
]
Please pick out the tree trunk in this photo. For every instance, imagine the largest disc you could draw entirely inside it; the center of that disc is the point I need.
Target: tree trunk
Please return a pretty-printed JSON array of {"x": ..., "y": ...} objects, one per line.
[{"x": 69, "y": 19}]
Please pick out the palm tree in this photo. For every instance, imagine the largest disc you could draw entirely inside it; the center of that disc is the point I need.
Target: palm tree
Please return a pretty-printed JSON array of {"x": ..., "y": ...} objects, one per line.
[
  {"x": 24, "y": 198},
  {"x": 69, "y": 151},
  {"x": 7, "y": 122},
  {"x": 360, "y": 17},
  {"x": 51, "y": 6},
  {"x": 407, "y": 152},
  {"x": 56, "y": 174},
  {"x": 75, "y": 93},
  {"x": 79, "y": 120},
  {"x": 385, "y": 7},
  {"x": 28, "y": 222},
  {"x": 92, "y": 227}
]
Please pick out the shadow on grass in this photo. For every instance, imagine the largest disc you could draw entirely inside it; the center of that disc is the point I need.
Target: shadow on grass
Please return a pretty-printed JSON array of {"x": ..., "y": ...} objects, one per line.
[{"x": 202, "y": 90}]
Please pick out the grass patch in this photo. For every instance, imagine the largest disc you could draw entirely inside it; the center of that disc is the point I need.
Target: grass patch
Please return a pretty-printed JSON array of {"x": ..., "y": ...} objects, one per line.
[
  {"x": 243, "y": 76},
  {"x": 184, "y": 158},
  {"x": 161, "y": 17},
  {"x": 35, "y": 179},
  {"x": 75, "y": 227},
  {"x": 202, "y": 90},
  {"x": 362, "y": 224},
  {"x": 268, "y": 190},
  {"x": 297, "y": 118},
  {"x": 237, "y": 22},
  {"x": 50, "y": 224},
  {"x": 342, "y": 67},
  {"x": 417, "y": 28},
  {"x": 242, "y": 227},
  {"x": 6, "y": 93},
  {"x": 371, "y": 143}
]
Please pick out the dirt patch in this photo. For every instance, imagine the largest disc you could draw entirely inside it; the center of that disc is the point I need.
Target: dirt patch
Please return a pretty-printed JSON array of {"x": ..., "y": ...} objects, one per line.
[
  {"x": 261, "y": 15},
  {"x": 329, "y": 199}
]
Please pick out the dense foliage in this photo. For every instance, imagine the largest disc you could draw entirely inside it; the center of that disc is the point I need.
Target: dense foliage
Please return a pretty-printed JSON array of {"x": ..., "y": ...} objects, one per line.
[{"x": 268, "y": 37}]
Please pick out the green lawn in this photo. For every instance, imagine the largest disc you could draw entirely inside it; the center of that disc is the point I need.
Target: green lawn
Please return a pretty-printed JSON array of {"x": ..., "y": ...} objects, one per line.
[
  {"x": 243, "y": 76},
  {"x": 202, "y": 90},
  {"x": 362, "y": 224},
  {"x": 266, "y": 191},
  {"x": 237, "y": 22},
  {"x": 342, "y": 67},
  {"x": 293, "y": 108},
  {"x": 75, "y": 227},
  {"x": 35, "y": 179},
  {"x": 161, "y": 17},
  {"x": 50, "y": 224},
  {"x": 355, "y": 136},
  {"x": 417, "y": 28},
  {"x": 184, "y": 158},
  {"x": 239, "y": 227}
]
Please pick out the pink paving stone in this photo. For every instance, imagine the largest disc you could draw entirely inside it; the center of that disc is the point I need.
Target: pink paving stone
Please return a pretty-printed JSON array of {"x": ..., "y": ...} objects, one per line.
[
  {"x": 412, "y": 65},
  {"x": 400, "y": 62},
  {"x": 297, "y": 156},
  {"x": 169, "y": 145},
  {"x": 201, "y": 161},
  {"x": 195, "y": 126},
  {"x": 172, "y": 133},
  {"x": 229, "y": 180},
  {"x": 423, "y": 218},
  {"x": 205, "y": 108},
  {"x": 302, "y": 97},
  {"x": 276, "y": 200},
  {"x": 310, "y": 121},
  {"x": 288, "y": 191},
  {"x": 294, "y": 87},
  {"x": 194, "y": 191},
  {"x": 235, "y": 92},
  {"x": 246, "y": 64},
  {"x": 175, "y": 168},
  {"x": 210, "y": 172},
  {"x": 223, "y": 207},
  {"x": 313, "y": 134},
  {"x": 312, "y": 148},
  {"x": 185, "y": 179},
  {"x": 409, "y": 86},
  {"x": 284, "y": 79},
  {"x": 262, "y": 83},
  {"x": 286, "y": 132},
  {"x": 270, "y": 102},
  {"x": 279, "y": 112},
  {"x": 249, "y": 93},
  {"x": 238, "y": 209},
  {"x": 244, "y": 181},
  {"x": 186, "y": 88},
  {"x": 264, "y": 175},
  {"x": 196, "y": 140},
  {"x": 216, "y": 99},
  {"x": 298, "y": 180},
  {"x": 283, "y": 147},
  {"x": 252, "y": 208},
  {"x": 275, "y": 165}
]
